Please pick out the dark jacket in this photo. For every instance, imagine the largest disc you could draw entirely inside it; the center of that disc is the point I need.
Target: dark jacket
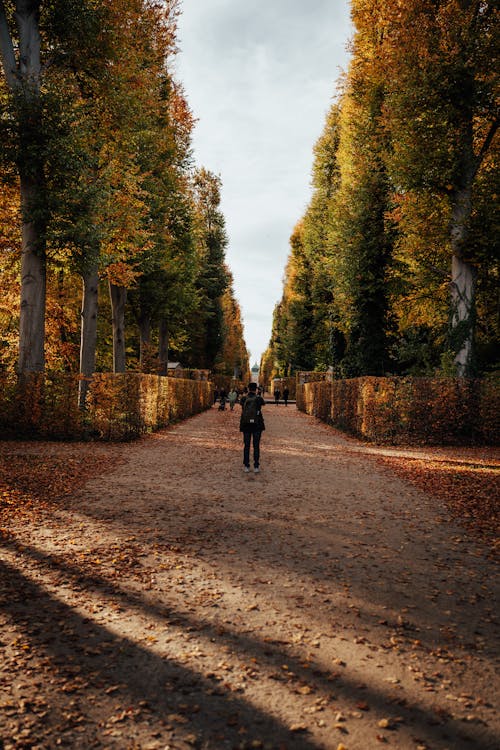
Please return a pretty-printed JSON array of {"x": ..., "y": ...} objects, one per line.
[{"x": 259, "y": 425}]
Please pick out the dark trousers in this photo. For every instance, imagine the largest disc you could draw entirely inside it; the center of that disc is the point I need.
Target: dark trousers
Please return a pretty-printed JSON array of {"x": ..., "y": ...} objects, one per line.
[{"x": 247, "y": 439}]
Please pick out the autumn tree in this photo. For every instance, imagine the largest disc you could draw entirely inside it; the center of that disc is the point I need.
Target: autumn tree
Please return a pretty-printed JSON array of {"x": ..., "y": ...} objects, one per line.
[
  {"x": 211, "y": 279},
  {"x": 164, "y": 295},
  {"x": 404, "y": 206},
  {"x": 296, "y": 321},
  {"x": 442, "y": 114},
  {"x": 45, "y": 53},
  {"x": 233, "y": 359},
  {"x": 96, "y": 140},
  {"x": 10, "y": 241},
  {"x": 22, "y": 52},
  {"x": 360, "y": 238},
  {"x": 327, "y": 338}
]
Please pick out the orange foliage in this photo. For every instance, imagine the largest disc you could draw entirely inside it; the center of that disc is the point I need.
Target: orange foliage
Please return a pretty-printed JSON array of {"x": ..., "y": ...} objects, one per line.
[
  {"x": 429, "y": 411},
  {"x": 120, "y": 407}
]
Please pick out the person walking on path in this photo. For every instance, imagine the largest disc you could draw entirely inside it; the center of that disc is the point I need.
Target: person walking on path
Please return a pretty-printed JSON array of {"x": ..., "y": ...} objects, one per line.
[
  {"x": 286, "y": 393},
  {"x": 277, "y": 394},
  {"x": 222, "y": 400},
  {"x": 232, "y": 397},
  {"x": 252, "y": 426}
]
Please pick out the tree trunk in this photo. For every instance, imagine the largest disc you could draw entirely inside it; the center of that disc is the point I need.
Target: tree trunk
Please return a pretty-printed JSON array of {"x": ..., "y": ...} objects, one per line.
[
  {"x": 463, "y": 276},
  {"x": 33, "y": 287},
  {"x": 463, "y": 316},
  {"x": 163, "y": 347},
  {"x": 118, "y": 296},
  {"x": 145, "y": 340},
  {"x": 88, "y": 331},
  {"x": 21, "y": 66}
]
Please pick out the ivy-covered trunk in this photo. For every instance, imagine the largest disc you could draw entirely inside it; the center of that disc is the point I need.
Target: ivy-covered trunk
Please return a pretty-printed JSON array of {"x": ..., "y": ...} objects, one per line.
[
  {"x": 88, "y": 331},
  {"x": 463, "y": 277},
  {"x": 118, "y": 296}
]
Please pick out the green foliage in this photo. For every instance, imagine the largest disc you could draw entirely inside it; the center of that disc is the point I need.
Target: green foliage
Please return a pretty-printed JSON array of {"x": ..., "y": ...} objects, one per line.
[{"x": 212, "y": 278}]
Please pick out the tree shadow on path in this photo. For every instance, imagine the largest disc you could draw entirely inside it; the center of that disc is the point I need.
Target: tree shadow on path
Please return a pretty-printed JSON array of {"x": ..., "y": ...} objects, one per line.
[{"x": 154, "y": 687}]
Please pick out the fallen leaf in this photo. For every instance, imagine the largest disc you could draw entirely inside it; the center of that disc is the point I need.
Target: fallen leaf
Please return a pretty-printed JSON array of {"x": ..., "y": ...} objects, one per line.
[{"x": 298, "y": 728}]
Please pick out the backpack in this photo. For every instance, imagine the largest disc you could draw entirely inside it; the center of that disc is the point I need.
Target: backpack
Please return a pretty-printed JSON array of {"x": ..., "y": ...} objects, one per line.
[{"x": 251, "y": 412}]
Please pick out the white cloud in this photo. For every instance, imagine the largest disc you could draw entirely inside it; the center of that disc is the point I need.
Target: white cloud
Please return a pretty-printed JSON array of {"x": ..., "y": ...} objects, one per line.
[{"x": 259, "y": 76}]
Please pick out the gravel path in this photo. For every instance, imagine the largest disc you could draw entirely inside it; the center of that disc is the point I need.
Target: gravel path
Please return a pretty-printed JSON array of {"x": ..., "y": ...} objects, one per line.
[{"x": 178, "y": 603}]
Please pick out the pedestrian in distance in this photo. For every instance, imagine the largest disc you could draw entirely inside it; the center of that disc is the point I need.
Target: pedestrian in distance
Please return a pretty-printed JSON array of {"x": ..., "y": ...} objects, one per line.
[
  {"x": 277, "y": 394},
  {"x": 216, "y": 395},
  {"x": 222, "y": 400},
  {"x": 252, "y": 426},
  {"x": 232, "y": 398},
  {"x": 286, "y": 393}
]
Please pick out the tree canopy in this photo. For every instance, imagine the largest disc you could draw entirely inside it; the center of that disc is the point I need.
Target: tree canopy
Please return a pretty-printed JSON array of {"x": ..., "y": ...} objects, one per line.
[
  {"x": 399, "y": 261},
  {"x": 100, "y": 194}
]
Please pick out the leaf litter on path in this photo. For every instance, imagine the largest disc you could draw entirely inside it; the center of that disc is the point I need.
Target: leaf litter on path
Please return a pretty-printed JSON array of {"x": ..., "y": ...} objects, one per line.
[{"x": 151, "y": 597}]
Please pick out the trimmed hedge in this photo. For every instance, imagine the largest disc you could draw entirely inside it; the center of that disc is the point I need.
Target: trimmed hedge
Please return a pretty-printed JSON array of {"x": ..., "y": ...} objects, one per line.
[
  {"x": 431, "y": 411},
  {"x": 119, "y": 407}
]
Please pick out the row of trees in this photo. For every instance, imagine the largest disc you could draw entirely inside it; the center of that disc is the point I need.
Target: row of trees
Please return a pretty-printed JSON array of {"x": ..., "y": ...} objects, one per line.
[
  {"x": 395, "y": 265},
  {"x": 99, "y": 190}
]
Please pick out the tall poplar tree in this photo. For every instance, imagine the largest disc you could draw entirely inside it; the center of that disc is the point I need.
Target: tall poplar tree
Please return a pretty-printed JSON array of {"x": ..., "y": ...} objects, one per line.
[
  {"x": 327, "y": 339},
  {"x": 234, "y": 360},
  {"x": 212, "y": 279},
  {"x": 441, "y": 69},
  {"x": 360, "y": 240}
]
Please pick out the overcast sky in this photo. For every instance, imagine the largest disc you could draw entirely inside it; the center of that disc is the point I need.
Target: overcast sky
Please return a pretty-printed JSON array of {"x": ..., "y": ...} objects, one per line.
[{"x": 259, "y": 76}]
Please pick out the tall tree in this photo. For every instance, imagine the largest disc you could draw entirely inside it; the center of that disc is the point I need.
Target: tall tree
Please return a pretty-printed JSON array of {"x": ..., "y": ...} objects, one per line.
[
  {"x": 327, "y": 338},
  {"x": 234, "y": 360},
  {"x": 20, "y": 49},
  {"x": 165, "y": 293},
  {"x": 360, "y": 238},
  {"x": 442, "y": 112},
  {"x": 293, "y": 318},
  {"x": 212, "y": 279}
]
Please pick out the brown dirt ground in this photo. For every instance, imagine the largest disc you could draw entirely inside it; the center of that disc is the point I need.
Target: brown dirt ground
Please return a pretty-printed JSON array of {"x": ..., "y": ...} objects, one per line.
[{"x": 155, "y": 597}]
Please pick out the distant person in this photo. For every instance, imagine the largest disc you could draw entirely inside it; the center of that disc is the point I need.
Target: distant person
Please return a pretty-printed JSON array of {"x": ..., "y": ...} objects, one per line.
[
  {"x": 286, "y": 393},
  {"x": 277, "y": 395},
  {"x": 222, "y": 400},
  {"x": 216, "y": 396},
  {"x": 232, "y": 398},
  {"x": 252, "y": 426}
]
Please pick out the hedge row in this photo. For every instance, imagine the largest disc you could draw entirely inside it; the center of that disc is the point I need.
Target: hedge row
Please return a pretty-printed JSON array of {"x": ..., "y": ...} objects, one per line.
[
  {"x": 432, "y": 411},
  {"x": 119, "y": 407}
]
